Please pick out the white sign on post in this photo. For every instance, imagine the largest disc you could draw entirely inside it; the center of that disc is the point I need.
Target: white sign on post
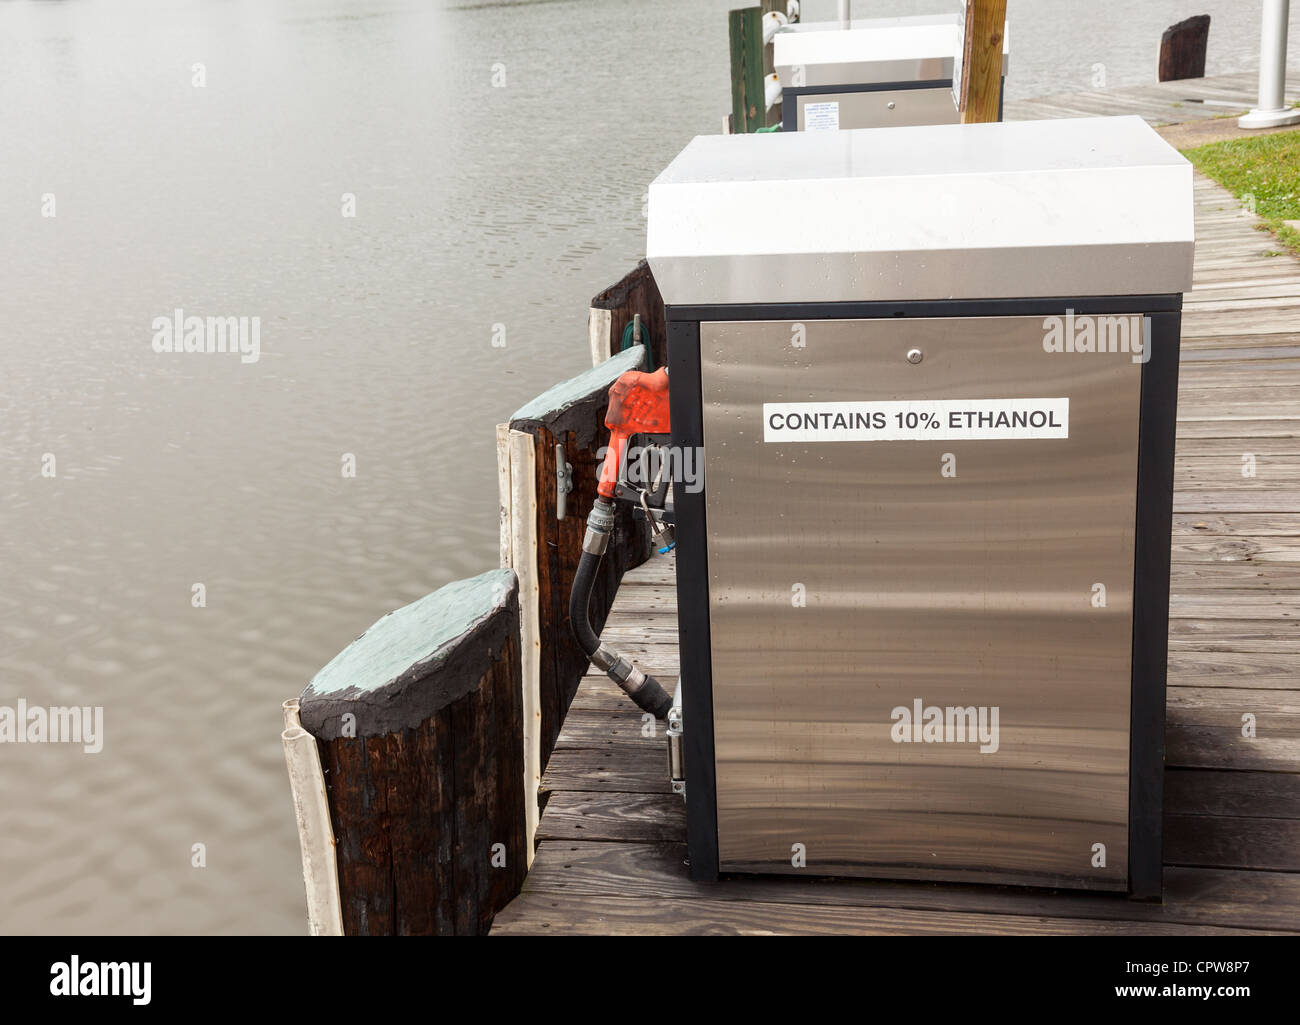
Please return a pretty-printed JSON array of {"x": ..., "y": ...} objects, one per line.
[{"x": 917, "y": 420}]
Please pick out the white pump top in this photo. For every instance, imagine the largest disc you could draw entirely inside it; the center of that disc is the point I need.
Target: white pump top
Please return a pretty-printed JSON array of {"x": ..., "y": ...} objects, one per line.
[
  {"x": 874, "y": 51},
  {"x": 1070, "y": 207}
]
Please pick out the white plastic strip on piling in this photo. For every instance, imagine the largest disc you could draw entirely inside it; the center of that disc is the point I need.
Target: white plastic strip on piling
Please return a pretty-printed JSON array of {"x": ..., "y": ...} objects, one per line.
[
  {"x": 523, "y": 559},
  {"x": 503, "y": 493},
  {"x": 599, "y": 325},
  {"x": 320, "y": 871}
]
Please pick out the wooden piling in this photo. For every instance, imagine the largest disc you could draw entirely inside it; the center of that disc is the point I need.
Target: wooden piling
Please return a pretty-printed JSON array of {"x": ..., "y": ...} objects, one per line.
[
  {"x": 546, "y": 550},
  {"x": 633, "y": 295},
  {"x": 981, "y": 65},
  {"x": 418, "y": 724},
  {"x": 428, "y": 733},
  {"x": 1182, "y": 49}
]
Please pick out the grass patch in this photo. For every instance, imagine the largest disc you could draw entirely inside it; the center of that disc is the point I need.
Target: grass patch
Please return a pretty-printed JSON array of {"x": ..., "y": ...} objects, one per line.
[{"x": 1262, "y": 168}]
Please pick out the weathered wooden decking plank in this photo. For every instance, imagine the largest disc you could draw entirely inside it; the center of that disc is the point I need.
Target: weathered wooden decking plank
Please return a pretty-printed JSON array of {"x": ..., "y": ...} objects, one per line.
[
  {"x": 657, "y": 868},
  {"x": 1158, "y": 102},
  {"x": 657, "y": 818},
  {"x": 572, "y": 879},
  {"x": 531, "y": 913},
  {"x": 612, "y": 855}
]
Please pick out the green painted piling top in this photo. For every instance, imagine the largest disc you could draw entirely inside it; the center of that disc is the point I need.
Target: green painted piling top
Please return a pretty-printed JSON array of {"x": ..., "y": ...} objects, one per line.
[
  {"x": 549, "y": 406},
  {"x": 415, "y": 660}
]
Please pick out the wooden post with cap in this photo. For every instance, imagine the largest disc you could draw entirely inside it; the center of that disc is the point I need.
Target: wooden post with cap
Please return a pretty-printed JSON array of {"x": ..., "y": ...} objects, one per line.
[{"x": 981, "y": 62}]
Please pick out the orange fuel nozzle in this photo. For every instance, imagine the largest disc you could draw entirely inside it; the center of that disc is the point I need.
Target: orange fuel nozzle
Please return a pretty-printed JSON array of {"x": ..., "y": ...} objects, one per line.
[{"x": 638, "y": 404}]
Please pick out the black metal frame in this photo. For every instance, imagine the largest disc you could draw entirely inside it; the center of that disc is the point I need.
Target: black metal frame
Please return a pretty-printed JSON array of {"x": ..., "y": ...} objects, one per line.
[
  {"x": 1151, "y": 557},
  {"x": 1153, "y": 526}
]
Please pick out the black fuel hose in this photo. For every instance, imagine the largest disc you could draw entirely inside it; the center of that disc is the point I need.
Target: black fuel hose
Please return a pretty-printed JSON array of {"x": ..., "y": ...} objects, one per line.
[{"x": 641, "y": 687}]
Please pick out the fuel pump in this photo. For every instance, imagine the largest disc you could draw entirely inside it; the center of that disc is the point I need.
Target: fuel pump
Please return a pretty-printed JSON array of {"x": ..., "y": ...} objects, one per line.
[{"x": 638, "y": 404}]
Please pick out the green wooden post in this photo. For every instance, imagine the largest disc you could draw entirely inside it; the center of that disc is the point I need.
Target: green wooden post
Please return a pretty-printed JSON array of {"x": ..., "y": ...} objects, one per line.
[
  {"x": 769, "y": 66},
  {"x": 745, "y": 30}
]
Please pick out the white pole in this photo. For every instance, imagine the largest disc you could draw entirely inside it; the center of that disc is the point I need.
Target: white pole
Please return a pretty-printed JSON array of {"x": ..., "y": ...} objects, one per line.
[
  {"x": 846, "y": 21},
  {"x": 1272, "y": 110}
]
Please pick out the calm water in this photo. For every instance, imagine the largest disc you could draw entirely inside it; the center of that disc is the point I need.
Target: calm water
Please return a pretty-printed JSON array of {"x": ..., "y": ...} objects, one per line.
[{"x": 475, "y": 206}]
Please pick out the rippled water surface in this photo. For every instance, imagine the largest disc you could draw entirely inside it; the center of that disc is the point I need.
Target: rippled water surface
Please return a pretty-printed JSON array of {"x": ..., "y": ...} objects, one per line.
[{"x": 476, "y": 206}]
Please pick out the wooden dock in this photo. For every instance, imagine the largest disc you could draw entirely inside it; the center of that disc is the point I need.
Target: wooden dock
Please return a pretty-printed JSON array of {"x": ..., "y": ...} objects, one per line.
[
  {"x": 611, "y": 854},
  {"x": 1161, "y": 103}
]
